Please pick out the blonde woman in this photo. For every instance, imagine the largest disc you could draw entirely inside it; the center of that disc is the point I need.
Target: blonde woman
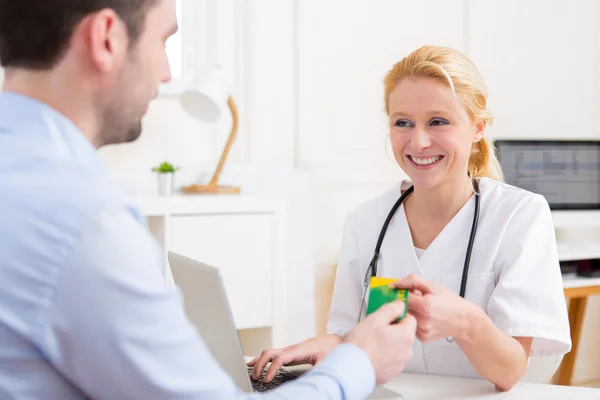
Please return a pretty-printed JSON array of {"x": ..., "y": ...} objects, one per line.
[{"x": 479, "y": 256}]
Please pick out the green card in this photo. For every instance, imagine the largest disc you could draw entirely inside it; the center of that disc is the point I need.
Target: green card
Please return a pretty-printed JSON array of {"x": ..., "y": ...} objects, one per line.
[{"x": 380, "y": 293}]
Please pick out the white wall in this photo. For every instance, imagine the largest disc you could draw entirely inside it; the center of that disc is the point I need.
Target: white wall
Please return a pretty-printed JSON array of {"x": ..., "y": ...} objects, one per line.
[{"x": 541, "y": 60}]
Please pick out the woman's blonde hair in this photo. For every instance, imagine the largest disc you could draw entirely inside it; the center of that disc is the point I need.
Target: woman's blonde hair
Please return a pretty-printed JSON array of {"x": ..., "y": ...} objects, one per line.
[{"x": 455, "y": 69}]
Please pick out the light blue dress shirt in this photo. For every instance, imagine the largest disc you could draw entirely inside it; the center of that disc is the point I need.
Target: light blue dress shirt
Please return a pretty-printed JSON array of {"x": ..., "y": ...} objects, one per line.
[{"x": 85, "y": 311}]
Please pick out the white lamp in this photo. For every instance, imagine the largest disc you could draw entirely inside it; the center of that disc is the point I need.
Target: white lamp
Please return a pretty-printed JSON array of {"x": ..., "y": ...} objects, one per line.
[{"x": 204, "y": 99}]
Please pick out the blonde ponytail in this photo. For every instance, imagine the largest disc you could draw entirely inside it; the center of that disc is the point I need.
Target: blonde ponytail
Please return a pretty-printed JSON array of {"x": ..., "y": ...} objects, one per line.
[{"x": 483, "y": 162}]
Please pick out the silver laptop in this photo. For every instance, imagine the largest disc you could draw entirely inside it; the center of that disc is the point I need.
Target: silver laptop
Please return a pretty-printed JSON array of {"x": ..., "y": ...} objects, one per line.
[{"x": 207, "y": 307}]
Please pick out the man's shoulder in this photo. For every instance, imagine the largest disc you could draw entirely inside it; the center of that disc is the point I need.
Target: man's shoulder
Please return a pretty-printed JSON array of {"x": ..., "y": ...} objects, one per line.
[
  {"x": 50, "y": 199},
  {"x": 44, "y": 206},
  {"x": 58, "y": 187}
]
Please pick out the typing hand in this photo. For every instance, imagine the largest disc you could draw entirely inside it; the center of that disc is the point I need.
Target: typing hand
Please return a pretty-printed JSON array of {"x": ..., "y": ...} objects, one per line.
[{"x": 310, "y": 351}]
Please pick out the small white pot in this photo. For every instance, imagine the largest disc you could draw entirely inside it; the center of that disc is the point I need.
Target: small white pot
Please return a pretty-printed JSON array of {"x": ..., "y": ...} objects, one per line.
[{"x": 165, "y": 183}]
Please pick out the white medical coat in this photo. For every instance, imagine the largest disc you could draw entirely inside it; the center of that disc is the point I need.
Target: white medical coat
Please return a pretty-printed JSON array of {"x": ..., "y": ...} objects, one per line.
[{"x": 514, "y": 274}]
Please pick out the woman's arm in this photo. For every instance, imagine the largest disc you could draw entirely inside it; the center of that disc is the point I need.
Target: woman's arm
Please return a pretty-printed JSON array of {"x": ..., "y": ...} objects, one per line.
[
  {"x": 499, "y": 358},
  {"x": 440, "y": 313}
]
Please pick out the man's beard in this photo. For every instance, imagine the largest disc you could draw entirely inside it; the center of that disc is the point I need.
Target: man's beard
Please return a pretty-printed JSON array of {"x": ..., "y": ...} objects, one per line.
[
  {"x": 122, "y": 114},
  {"x": 118, "y": 125}
]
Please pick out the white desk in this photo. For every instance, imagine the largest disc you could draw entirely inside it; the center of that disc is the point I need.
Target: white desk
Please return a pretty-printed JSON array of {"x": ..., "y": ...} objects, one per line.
[
  {"x": 569, "y": 219},
  {"x": 572, "y": 281},
  {"x": 431, "y": 387}
]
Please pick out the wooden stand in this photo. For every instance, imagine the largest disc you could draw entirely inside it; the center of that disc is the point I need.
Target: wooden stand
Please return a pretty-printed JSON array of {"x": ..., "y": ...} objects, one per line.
[
  {"x": 578, "y": 301},
  {"x": 213, "y": 186},
  {"x": 208, "y": 189}
]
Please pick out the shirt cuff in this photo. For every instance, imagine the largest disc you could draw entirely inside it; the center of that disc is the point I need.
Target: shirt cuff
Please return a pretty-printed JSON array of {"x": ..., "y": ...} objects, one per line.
[{"x": 353, "y": 370}]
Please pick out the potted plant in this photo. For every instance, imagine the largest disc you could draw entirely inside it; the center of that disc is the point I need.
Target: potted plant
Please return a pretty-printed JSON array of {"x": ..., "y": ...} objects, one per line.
[{"x": 165, "y": 173}]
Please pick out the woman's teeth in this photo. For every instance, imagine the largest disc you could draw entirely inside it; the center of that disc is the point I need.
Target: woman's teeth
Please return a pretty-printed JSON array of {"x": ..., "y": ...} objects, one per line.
[{"x": 425, "y": 161}]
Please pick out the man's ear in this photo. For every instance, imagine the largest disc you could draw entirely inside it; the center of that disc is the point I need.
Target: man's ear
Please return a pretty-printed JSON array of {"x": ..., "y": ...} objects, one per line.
[
  {"x": 479, "y": 130},
  {"x": 107, "y": 39}
]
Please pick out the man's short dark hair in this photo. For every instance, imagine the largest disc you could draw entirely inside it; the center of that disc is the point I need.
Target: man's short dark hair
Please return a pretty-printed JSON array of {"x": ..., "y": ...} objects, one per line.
[{"x": 35, "y": 34}]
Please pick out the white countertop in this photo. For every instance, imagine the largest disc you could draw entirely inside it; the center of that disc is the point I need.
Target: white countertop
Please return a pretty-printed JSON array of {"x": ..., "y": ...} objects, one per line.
[
  {"x": 431, "y": 387},
  {"x": 573, "y": 281},
  {"x": 176, "y": 204},
  {"x": 576, "y": 219}
]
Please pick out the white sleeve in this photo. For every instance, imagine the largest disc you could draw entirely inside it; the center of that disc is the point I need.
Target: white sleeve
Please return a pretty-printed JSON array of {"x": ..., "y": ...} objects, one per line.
[
  {"x": 347, "y": 291},
  {"x": 528, "y": 299}
]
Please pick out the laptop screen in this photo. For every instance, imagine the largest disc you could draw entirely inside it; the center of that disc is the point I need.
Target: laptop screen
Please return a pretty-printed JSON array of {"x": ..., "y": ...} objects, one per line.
[{"x": 566, "y": 173}]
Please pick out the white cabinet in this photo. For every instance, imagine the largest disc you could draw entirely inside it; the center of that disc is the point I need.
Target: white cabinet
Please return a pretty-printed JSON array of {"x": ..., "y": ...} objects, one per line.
[
  {"x": 258, "y": 251},
  {"x": 241, "y": 247}
]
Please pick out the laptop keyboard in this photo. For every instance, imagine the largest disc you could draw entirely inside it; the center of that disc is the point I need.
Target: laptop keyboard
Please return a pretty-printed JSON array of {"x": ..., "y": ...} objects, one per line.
[{"x": 281, "y": 376}]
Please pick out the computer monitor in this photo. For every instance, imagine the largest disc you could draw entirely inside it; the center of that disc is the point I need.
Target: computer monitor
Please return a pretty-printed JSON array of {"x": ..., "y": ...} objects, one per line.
[{"x": 565, "y": 172}]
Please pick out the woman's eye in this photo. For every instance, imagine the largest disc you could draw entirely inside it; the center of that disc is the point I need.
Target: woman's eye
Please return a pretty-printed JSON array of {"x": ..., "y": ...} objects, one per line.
[
  {"x": 439, "y": 121},
  {"x": 402, "y": 123}
]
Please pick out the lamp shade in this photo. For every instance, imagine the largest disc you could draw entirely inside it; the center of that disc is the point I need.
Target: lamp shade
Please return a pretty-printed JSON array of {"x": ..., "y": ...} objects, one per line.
[{"x": 207, "y": 95}]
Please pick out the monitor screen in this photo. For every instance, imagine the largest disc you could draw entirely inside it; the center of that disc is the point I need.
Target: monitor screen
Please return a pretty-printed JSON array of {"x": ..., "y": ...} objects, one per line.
[{"x": 566, "y": 173}]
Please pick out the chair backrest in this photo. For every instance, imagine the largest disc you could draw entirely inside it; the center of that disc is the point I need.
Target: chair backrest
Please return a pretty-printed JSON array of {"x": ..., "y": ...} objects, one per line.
[
  {"x": 542, "y": 369},
  {"x": 324, "y": 292}
]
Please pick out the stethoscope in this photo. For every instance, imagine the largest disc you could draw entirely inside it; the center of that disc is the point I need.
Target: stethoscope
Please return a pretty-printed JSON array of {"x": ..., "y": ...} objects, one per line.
[{"x": 373, "y": 265}]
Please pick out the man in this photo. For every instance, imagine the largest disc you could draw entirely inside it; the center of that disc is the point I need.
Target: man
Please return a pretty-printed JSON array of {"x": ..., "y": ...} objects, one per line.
[{"x": 85, "y": 311}]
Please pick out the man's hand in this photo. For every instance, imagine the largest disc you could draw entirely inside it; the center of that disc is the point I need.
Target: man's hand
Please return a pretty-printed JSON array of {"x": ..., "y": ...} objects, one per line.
[{"x": 387, "y": 344}]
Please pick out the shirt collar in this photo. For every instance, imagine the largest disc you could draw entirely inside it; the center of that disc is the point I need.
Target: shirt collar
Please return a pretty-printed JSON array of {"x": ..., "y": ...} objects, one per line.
[{"x": 27, "y": 116}]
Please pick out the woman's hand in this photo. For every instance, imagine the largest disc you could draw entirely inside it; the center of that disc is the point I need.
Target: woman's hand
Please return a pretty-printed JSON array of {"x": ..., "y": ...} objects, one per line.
[
  {"x": 310, "y": 351},
  {"x": 440, "y": 313}
]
